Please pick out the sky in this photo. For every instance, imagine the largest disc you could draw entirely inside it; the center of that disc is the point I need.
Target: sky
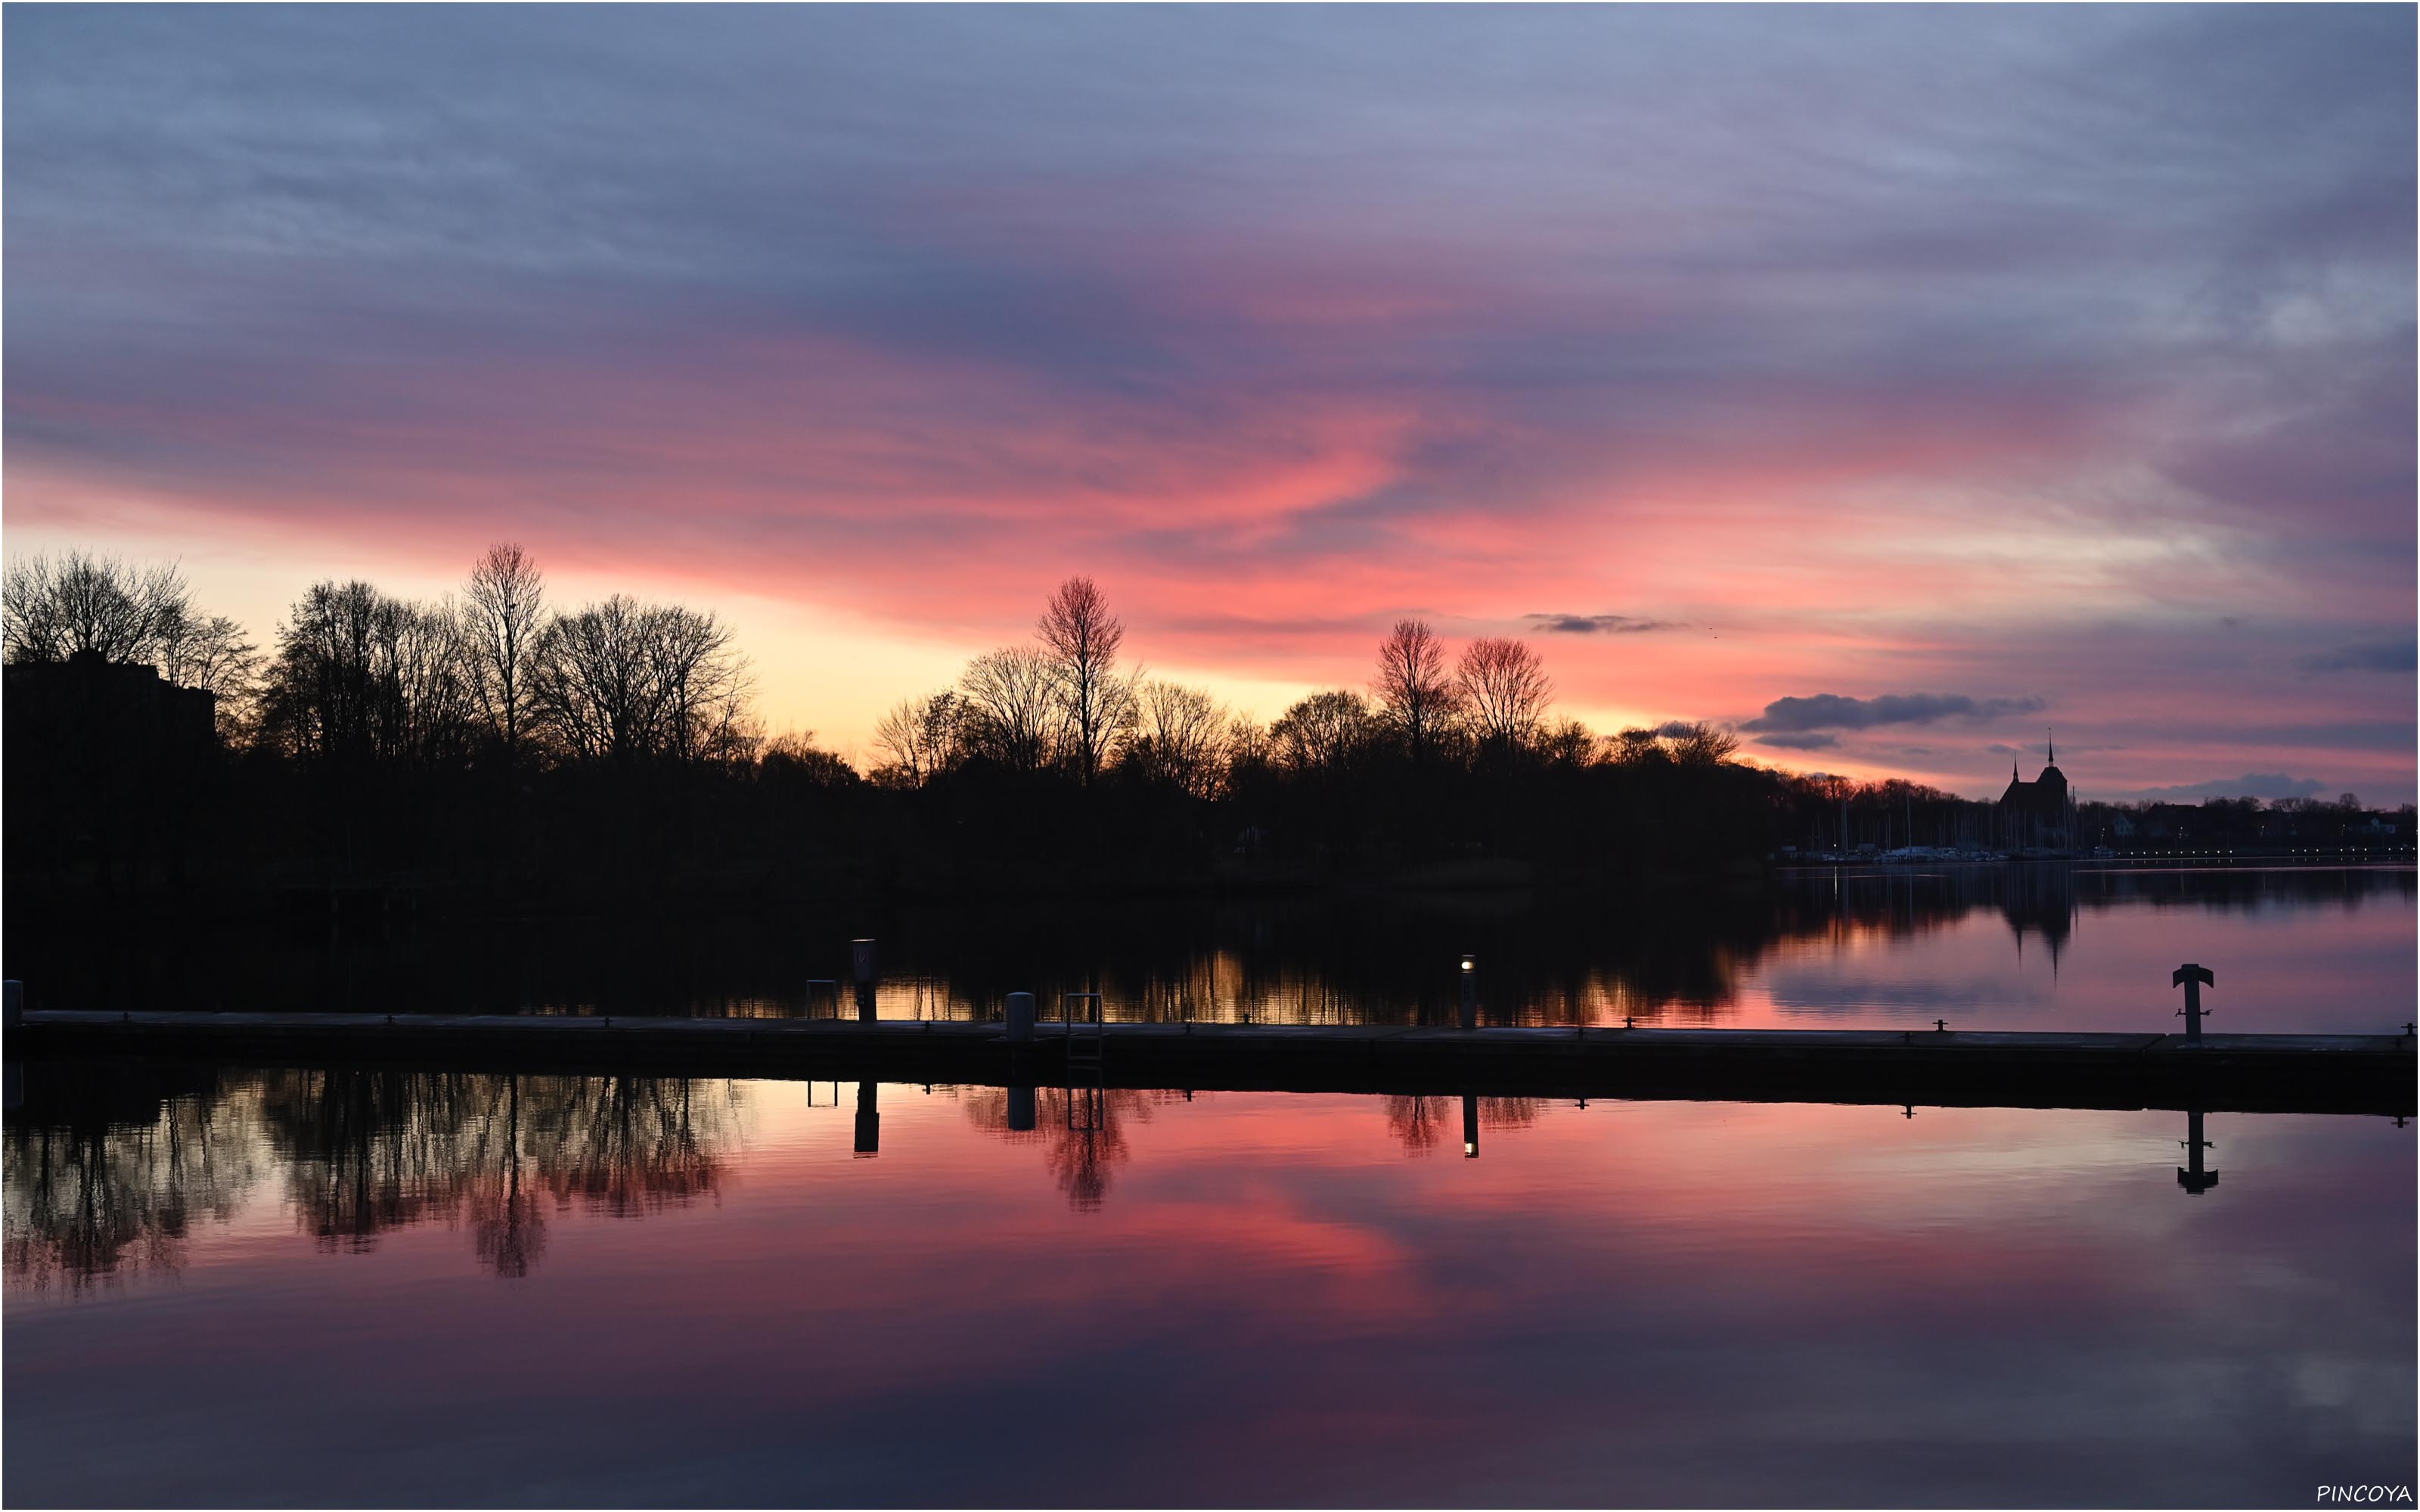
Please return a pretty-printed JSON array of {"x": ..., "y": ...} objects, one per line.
[{"x": 1893, "y": 385}]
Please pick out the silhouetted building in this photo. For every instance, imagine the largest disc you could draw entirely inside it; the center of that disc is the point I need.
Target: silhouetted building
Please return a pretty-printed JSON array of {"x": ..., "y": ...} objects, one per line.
[
  {"x": 2039, "y": 815},
  {"x": 104, "y": 760}
]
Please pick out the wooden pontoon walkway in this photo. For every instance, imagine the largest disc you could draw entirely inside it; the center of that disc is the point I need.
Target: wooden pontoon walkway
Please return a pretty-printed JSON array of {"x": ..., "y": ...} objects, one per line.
[{"x": 2224, "y": 1072}]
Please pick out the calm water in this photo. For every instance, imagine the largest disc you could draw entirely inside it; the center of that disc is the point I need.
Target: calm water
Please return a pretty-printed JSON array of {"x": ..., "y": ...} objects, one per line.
[
  {"x": 1986, "y": 948},
  {"x": 238, "y": 1286},
  {"x": 336, "y": 1288}
]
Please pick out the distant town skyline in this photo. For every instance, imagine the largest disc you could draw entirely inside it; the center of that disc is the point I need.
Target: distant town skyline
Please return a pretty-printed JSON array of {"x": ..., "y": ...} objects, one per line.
[{"x": 1886, "y": 384}]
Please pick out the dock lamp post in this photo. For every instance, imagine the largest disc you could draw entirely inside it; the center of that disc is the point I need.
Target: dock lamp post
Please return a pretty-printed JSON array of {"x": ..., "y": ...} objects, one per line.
[
  {"x": 2192, "y": 1176},
  {"x": 1469, "y": 991},
  {"x": 2192, "y": 979},
  {"x": 869, "y": 1122},
  {"x": 860, "y": 963}
]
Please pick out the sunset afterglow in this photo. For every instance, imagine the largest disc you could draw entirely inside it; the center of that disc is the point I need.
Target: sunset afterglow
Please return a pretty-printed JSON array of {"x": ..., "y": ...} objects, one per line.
[{"x": 1733, "y": 357}]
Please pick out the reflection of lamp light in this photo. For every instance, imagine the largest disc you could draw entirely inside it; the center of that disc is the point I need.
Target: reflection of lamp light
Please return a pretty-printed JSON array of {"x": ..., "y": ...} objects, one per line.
[{"x": 1470, "y": 1149}]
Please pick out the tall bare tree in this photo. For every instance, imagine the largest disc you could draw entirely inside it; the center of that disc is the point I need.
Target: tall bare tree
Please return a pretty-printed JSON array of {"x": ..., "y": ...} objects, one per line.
[
  {"x": 1011, "y": 702},
  {"x": 1415, "y": 686},
  {"x": 503, "y": 610},
  {"x": 1096, "y": 703},
  {"x": 1506, "y": 689}
]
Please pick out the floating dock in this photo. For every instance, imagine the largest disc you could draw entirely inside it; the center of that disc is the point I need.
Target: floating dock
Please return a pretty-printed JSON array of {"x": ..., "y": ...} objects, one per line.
[{"x": 2221, "y": 1073}]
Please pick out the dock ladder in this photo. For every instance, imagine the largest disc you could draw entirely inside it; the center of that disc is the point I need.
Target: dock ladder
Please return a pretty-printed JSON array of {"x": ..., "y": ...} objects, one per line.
[{"x": 1086, "y": 1038}]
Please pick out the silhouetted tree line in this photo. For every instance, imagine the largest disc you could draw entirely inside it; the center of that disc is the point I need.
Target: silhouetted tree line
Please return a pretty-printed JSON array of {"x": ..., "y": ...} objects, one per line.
[{"x": 494, "y": 741}]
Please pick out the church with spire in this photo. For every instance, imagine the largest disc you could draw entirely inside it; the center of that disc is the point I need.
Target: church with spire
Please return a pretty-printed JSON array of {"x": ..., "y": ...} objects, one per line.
[{"x": 2039, "y": 815}]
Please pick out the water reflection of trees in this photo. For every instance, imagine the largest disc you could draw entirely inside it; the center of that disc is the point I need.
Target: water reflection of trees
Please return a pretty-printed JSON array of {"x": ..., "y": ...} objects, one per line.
[
  {"x": 1082, "y": 1130},
  {"x": 367, "y": 1152},
  {"x": 109, "y": 1167},
  {"x": 1550, "y": 958},
  {"x": 1422, "y": 1124},
  {"x": 97, "y": 1187},
  {"x": 1547, "y": 956}
]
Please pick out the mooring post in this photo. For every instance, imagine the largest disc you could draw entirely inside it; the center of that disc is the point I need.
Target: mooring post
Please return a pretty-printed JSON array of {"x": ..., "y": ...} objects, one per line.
[
  {"x": 2192, "y": 979},
  {"x": 1020, "y": 1109},
  {"x": 869, "y": 1121},
  {"x": 1020, "y": 1017},
  {"x": 15, "y": 998},
  {"x": 861, "y": 965},
  {"x": 1469, "y": 1126},
  {"x": 1469, "y": 991}
]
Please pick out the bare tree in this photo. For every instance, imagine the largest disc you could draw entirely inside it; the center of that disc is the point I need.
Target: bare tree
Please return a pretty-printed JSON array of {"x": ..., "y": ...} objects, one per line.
[
  {"x": 421, "y": 649},
  {"x": 1635, "y": 746},
  {"x": 923, "y": 736},
  {"x": 1568, "y": 744},
  {"x": 503, "y": 611},
  {"x": 361, "y": 677},
  {"x": 1010, "y": 697},
  {"x": 1182, "y": 732},
  {"x": 703, "y": 681},
  {"x": 589, "y": 686},
  {"x": 626, "y": 681},
  {"x": 51, "y": 609},
  {"x": 1095, "y": 705},
  {"x": 794, "y": 756},
  {"x": 1505, "y": 686},
  {"x": 1416, "y": 690},
  {"x": 210, "y": 653},
  {"x": 1698, "y": 744},
  {"x": 321, "y": 700},
  {"x": 1245, "y": 744},
  {"x": 1324, "y": 733}
]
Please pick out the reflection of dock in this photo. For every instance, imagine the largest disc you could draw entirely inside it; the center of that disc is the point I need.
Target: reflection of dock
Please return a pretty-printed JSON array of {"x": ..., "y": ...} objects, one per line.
[{"x": 2243, "y": 1073}]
